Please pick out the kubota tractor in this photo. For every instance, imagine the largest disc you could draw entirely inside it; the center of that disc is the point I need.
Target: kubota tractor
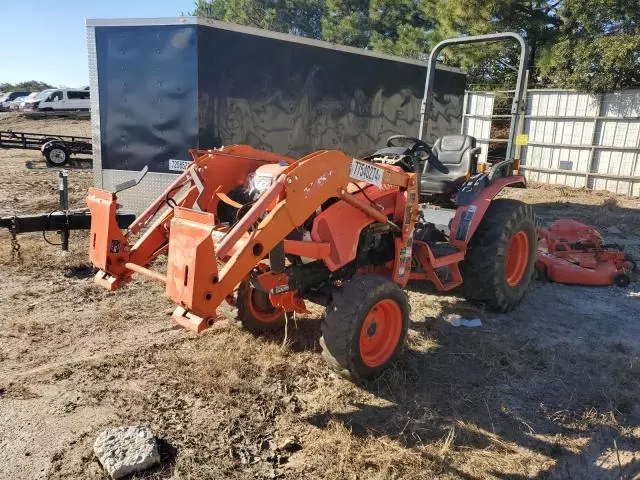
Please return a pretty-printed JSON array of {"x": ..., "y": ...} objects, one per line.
[{"x": 266, "y": 233}]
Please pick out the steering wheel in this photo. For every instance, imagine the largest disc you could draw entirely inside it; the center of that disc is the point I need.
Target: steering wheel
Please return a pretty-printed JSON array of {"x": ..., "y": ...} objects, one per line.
[{"x": 418, "y": 145}]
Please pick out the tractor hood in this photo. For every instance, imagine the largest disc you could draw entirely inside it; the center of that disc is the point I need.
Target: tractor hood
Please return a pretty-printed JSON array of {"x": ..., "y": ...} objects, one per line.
[{"x": 264, "y": 176}]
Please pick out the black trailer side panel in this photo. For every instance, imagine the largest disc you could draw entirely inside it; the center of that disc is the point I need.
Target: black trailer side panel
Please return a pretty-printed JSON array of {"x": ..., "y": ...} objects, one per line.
[
  {"x": 166, "y": 88},
  {"x": 445, "y": 114},
  {"x": 296, "y": 98},
  {"x": 148, "y": 94}
]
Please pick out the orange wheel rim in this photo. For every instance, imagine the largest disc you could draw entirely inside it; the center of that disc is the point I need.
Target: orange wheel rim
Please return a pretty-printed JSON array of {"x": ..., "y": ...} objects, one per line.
[
  {"x": 261, "y": 308},
  {"x": 380, "y": 333},
  {"x": 517, "y": 258}
]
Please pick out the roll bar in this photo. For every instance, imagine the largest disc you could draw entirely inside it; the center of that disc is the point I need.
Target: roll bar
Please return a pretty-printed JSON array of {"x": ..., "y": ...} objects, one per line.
[{"x": 516, "y": 108}]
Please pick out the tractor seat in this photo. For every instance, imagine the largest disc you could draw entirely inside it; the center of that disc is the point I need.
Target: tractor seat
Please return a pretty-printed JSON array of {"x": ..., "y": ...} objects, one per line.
[{"x": 454, "y": 158}]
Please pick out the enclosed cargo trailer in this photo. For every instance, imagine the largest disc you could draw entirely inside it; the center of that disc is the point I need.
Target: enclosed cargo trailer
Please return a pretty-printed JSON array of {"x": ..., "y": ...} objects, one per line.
[{"x": 163, "y": 86}]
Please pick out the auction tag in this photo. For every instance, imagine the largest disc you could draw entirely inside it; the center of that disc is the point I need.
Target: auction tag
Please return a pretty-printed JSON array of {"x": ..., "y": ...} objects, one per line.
[
  {"x": 178, "y": 165},
  {"x": 522, "y": 139},
  {"x": 366, "y": 172}
]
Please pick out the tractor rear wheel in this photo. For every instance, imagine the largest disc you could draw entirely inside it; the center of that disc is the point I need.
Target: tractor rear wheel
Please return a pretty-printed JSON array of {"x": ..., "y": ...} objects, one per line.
[
  {"x": 365, "y": 327},
  {"x": 255, "y": 310},
  {"x": 501, "y": 256}
]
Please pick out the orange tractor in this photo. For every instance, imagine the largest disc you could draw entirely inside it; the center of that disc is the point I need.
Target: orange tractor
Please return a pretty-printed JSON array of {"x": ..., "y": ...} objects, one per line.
[{"x": 266, "y": 233}]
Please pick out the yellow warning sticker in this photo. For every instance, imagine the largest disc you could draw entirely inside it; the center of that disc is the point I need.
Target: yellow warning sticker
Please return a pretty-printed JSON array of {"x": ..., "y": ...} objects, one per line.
[{"x": 522, "y": 139}]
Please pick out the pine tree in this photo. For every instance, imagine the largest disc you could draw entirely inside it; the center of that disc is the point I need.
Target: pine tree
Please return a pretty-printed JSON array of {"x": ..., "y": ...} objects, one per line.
[
  {"x": 586, "y": 44},
  {"x": 299, "y": 17},
  {"x": 598, "y": 48}
]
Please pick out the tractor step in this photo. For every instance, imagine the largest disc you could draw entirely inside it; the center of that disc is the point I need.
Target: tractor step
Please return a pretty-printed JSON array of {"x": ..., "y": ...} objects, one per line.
[
  {"x": 438, "y": 263},
  {"x": 442, "y": 249}
]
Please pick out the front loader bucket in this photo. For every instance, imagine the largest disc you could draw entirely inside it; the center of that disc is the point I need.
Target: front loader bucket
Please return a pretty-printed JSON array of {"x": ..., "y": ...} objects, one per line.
[
  {"x": 192, "y": 269},
  {"x": 108, "y": 247}
]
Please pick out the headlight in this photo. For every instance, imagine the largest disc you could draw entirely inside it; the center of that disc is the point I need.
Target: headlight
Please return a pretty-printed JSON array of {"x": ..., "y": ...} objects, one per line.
[{"x": 259, "y": 183}]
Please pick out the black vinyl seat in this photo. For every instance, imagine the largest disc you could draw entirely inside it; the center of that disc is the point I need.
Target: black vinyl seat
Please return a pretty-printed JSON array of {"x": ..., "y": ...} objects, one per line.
[{"x": 453, "y": 159}]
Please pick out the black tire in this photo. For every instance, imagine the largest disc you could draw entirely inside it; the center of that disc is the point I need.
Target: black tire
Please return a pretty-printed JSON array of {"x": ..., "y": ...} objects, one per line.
[
  {"x": 622, "y": 280},
  {"x": 56, "y": 155},
  {"x": 251, "y": 303},
  {"x": 346, "y": 314},
  {"x": 484, "y": 270}
]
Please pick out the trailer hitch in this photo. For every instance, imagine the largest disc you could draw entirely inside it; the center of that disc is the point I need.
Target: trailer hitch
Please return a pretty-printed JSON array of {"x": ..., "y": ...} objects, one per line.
[{"x": 56, "y": 221}]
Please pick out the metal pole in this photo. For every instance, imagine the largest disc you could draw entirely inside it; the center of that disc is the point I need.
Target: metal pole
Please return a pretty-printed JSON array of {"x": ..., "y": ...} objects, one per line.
[
  {"x": 521, "y": 119},
  {"x": 517, "y": 96},
  {"x": 63, "y": 190},
  {"x": 594, "y": 137},
  {"x": 465, "y": 105}
]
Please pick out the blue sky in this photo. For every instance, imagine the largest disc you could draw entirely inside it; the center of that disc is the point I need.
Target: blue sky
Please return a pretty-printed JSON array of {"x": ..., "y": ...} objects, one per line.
[{"x": 45, "y": 39}]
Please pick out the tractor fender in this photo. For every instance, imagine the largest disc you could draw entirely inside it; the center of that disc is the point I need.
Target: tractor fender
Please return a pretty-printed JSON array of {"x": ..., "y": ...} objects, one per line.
[
  {"x": 340, "y": 225},
  {"x": 468, "y": 217}
]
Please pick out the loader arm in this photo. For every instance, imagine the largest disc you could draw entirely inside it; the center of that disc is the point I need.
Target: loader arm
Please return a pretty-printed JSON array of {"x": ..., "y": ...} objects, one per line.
[
  {"x": 111, "y": 249},
  {"x": 198, "y": 284},
  {"x": 206, "y": 262}
]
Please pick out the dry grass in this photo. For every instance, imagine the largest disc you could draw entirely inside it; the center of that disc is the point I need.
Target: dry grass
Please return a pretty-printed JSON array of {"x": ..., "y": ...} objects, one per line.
[
  {"x": 599, "y": 208},
  {"x": 540, "y": 393}
]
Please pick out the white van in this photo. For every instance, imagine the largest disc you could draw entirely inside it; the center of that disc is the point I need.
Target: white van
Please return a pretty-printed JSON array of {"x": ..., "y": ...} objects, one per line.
[{"x": 62, "y": 99}]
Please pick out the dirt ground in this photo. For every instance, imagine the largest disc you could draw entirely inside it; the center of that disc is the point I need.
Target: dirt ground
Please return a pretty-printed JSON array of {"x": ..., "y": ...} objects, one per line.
[{"x": 549, "y": 391}]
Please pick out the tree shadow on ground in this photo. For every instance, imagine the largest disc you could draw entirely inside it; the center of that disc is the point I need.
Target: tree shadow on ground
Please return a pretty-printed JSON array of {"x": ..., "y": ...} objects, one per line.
[
  {"x": 606, "y": 214},
  {"x": 489, "y": 389}
]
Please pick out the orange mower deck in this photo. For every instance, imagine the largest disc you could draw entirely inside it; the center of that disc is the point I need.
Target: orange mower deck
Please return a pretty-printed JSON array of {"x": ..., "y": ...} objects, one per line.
[{"x": 574, "y": 253}]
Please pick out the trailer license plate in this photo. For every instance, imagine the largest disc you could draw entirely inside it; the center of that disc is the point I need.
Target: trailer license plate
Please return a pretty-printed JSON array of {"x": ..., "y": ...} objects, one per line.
[
  {"x": 178, "y": 165},
  {"x": 366, "y": 172}
]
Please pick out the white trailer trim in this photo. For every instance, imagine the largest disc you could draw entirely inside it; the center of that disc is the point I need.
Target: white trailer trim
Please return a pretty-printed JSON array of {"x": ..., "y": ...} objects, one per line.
[{"x": 95, "y": 107}]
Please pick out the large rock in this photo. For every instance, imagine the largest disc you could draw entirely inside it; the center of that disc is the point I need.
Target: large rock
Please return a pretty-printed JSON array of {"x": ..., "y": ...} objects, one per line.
[{"x": 125, "y": 450}]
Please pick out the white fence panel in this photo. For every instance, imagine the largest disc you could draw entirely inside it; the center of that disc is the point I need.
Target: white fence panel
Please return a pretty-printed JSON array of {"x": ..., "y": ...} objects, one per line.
[
  {"x": 575, "y": 139},
  {"x": 624, "y": 104},
  {"x": 477, "y": 119}
]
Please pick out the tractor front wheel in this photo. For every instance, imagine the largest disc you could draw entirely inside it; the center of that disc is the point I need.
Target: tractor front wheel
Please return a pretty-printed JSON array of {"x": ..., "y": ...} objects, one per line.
[
  {"x": 501, "y": 256},
  {"x": 255, "y": 310},
  {"x": 365, "y": 327}
]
